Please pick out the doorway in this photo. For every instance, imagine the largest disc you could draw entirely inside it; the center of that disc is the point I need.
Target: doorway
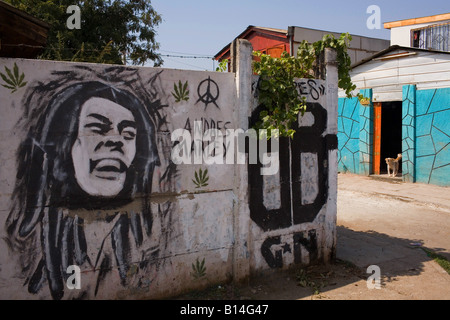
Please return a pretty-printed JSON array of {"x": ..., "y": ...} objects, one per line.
[{"x": 387, "y": 134}]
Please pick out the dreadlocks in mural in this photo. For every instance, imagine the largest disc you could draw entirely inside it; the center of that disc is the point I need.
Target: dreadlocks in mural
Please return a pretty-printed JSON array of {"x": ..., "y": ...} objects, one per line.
[{"x": 87, "y": 163}]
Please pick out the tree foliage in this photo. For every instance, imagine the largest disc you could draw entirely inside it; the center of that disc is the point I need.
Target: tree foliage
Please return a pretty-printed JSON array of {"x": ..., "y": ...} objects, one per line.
[
  {"x": 278, "y": 93},
  {"x": 112, "y": 31}
]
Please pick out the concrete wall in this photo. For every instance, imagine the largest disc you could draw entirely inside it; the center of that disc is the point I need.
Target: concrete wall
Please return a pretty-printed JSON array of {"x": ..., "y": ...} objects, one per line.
[
  {"x": 88, "y": 178},
  {"x": 293, "y": 211}
]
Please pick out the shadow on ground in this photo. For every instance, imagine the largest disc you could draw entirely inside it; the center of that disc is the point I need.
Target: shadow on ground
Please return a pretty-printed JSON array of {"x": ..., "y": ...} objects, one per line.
[{"x": 345, "y": 278}]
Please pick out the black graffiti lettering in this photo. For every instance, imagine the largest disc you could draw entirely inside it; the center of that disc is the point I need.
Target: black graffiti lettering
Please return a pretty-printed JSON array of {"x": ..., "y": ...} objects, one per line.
[
  {"x": 273, "y": 249},
  {"x": 187, "y": 126},
  {"x": 322, "y": 89},
  {"x": 221, "y": 125},
  {"x": 302, "y": 88},
  {"x": 313, "y": 91},
  {"x": 204, "y": 144},
  {"x": 310, "y": 88},
  {"x": 304, "y": 207},
  {"x": 273, "y": 260},
  {"x": 309, "y": 243}
]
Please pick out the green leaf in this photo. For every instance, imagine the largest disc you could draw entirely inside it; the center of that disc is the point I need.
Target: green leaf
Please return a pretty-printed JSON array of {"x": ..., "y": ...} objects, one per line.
[
  {"x": 9, "y": 87},
  {"x": 196, "y": 175},
  {"x": 10, "y": 75},
  {"x": 16, "y": 72},
  {"x": 6, "y": 79},
  {"x": 21, "y": 77}
]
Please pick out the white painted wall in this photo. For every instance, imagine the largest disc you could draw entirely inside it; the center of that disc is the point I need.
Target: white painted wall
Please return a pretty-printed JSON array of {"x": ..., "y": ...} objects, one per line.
[
  {"x": 193, "y": 227},
  {"x": 402, "y": 35},
  {"x": 387, "y": 77}
]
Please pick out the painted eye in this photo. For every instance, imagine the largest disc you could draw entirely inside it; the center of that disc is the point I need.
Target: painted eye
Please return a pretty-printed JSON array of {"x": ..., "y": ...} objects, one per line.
[
  {"x": 98, "y": 128},
  {"x": 129, "y": 133}
]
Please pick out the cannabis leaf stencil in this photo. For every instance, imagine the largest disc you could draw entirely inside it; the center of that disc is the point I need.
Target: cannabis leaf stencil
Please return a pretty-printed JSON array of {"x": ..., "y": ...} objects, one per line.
[
  {"x": 199, "y": 269},
  {"x": 181, "y": 91},
  {"x": 13, "y": 80},
  {"x": 201, "y": 178}
]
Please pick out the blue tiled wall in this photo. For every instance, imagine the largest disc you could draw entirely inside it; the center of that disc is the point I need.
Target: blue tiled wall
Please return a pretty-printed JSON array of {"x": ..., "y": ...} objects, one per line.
[
  {"x": 425, "y": 135},
  {"x": 409, "y": 133},
  {"x": 355, "y": 132},
  {"x": 348, "y": 135},
  {"x": 366, "y": 134},
  {"x": 433, "y": 136}
]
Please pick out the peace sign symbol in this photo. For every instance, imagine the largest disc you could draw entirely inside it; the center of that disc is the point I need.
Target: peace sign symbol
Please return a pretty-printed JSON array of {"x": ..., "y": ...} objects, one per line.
[{"x": 208, "y": 92}]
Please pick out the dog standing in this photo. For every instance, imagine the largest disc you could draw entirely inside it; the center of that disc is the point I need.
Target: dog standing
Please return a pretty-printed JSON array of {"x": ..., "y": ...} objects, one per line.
[{"x": 393, "y": 164}]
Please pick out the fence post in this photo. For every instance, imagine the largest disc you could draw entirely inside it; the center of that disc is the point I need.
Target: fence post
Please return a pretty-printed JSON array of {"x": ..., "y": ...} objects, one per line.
[
  {"x": 331, "y": 78},
  {"x": 241, "y": 65}
]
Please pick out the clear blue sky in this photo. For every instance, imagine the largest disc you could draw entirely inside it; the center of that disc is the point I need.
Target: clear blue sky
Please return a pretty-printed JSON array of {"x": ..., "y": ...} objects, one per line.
[{"x": 204, "y": 27}]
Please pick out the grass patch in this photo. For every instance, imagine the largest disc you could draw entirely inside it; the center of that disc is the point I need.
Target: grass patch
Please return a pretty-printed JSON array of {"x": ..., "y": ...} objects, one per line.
[{"x": 441, "y": 260}]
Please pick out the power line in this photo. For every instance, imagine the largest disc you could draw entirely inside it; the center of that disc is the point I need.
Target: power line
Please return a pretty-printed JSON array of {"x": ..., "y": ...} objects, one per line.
[
  {"x": 93, "y": 50},
  {"x": 187, "y": 64},
  {"x": 186, "y": 57},
  {"x": 184, "y": 53}
]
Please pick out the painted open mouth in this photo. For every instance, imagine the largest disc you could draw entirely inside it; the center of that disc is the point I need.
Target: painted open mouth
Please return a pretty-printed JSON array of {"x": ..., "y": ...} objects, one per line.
[{"x": 109, "y": 169}]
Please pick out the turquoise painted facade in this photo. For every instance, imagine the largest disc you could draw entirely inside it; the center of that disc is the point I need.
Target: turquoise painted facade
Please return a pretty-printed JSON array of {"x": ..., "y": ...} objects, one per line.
[
  {"x": 432, "y": 152},
  {"x": 425, "y": 135}
]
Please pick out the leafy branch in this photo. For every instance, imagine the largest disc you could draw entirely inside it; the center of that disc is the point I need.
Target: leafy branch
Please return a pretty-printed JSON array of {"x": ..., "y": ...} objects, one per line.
[
  {"x": 13, "y": 80},
  {"x": 223, "y": 66},
  {"x": 278, "y": 94},
  {"x": 201, "y": 178}
]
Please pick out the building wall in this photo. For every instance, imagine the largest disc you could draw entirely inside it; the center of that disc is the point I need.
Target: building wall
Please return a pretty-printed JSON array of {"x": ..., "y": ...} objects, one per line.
[
  {"x": 262, "y": 42},
  {"x": 425, "y": 136},
  {"x": 360, "y": 47},
  {"x": 402, "y": 35},
  {"x": 148, "y": 241},
  {"x": 92, "y": 182},
  {"x": 387, "y": 77},
  {"x": 286, "y": 207},
  {"x": 433, "y": 136},
  {"x": 348, "y": 135}
]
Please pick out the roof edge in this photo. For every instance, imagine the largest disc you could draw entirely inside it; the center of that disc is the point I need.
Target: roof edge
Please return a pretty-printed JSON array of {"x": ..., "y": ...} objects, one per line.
[
  {"x": 24, "y": 15},
  {"x": 392, "y": 48},
  {"x": 244, "y": 33},
  {"x": 420, "y": 20}
]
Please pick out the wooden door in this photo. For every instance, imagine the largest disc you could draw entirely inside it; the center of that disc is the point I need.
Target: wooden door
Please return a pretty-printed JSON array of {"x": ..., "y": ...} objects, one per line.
[{"x": 377, "y": 138}]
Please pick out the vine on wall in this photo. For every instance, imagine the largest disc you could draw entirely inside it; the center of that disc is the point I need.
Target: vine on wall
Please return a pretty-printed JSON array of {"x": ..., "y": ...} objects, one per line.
[{"x": 278, "y": 95}]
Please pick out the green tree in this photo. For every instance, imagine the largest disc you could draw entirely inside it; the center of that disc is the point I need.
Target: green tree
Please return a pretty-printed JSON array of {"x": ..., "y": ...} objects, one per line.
[{"x": 118, "y": 32}]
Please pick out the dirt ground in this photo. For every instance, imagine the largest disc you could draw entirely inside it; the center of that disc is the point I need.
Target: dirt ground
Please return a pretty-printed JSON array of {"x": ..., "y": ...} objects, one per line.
[
  {"x": 387, "y": 223},
  {"x": 297, "y": 283}
]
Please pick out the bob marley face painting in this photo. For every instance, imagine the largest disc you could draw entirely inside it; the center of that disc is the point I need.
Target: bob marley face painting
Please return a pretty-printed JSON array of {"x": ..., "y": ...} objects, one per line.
[
  {"x": 105, "y": 147},
  {"x": 86, "y": 162}
]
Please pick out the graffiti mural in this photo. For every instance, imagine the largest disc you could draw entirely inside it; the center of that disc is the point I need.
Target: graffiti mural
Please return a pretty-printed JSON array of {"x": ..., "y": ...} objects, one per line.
[
  {"x": 88, "y": 156},
  {"x": 301, "y": 187},
  {"x": 122, "y": 182}
]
